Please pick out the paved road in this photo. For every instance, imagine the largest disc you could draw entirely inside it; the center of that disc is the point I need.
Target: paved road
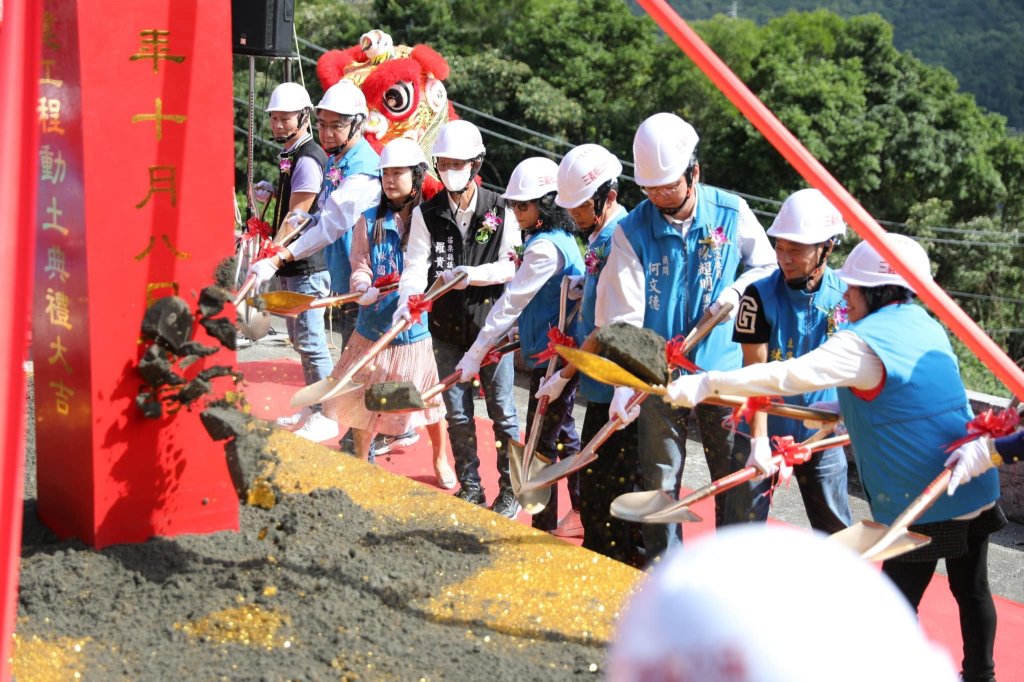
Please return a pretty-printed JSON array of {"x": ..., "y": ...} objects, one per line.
[{"x": 1006, "y": 557}]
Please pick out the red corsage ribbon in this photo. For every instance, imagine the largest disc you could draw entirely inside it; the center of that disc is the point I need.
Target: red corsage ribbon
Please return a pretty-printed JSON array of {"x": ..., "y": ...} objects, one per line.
[
  {"x": 385, "y": 280},
  {"x": 792, "y": 453},
  {"x": 675, "y": 355},
  {"x": 988, "y": 423},
  {"x": 750, "y": 407},
  {"x": 555, "y": 338},
  {"x": 419, "y": 305}
]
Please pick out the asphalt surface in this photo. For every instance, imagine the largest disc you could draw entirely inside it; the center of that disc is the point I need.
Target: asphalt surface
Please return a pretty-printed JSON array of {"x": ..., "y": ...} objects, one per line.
[{"x": 1006, "y": 554}]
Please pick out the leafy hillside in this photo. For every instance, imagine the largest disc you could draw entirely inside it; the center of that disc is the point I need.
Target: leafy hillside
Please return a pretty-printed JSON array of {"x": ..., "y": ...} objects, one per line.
[{"x": 981, "y": 42}]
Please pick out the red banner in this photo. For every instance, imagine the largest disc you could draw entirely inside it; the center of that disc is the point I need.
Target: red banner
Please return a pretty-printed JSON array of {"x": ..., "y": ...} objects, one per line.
[
  {"x": 134, "y": 165},
  {"x": 19, "y": 64}
]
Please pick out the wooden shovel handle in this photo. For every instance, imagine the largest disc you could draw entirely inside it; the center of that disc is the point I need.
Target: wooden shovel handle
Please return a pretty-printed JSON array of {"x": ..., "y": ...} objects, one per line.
[
  {"x": 914, "y": 510},
  {"x": 351, "y": 297},
  {"x": 778, "y": 409},
  {"x": 705, "y": 325}
]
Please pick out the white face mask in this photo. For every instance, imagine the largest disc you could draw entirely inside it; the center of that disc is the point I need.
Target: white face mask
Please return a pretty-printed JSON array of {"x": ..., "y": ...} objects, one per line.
[{"x": 456, "y": 180}]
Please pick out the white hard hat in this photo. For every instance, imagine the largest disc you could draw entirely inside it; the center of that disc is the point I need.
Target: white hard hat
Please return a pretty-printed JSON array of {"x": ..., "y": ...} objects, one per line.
[
  {"x": 533, "y": 178},
  {"x": 401, "y": 152},
  {"x": 762, "y": 603},
  {"x": 865, "y": 267},
  {"x": 345, "y": 98},
  {"x": 459, "y": 140},
  {"x": 807, "y": 217},
  {"x": 582, "y": 171},
  {"x": 662, "y": 149},
  {"x": 289, "y": 97}
]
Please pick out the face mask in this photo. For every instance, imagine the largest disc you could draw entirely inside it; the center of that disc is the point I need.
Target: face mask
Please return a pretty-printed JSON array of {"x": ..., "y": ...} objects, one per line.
[{"x": 455, "y": 180}]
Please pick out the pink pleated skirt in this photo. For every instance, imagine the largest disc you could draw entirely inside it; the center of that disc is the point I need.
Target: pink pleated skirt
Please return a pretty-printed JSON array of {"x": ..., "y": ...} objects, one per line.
[{"x": 412, "y": 362}]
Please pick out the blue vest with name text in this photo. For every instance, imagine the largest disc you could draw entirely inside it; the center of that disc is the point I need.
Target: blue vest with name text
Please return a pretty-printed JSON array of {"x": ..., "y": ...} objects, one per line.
[
  {"x": 685, "y": 275},
  {"x": 359, "y": 160},
  {"x": 597, "y": 256}
]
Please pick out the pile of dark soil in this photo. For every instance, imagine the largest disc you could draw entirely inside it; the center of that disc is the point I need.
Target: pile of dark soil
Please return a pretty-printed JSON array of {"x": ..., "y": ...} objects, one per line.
[{"x": 390, "y": 581}]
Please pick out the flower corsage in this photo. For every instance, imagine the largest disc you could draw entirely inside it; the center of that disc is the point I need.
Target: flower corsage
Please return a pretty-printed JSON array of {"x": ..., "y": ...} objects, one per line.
[
  {"x": 285, "y": 165},
  {"x": 490, "y": 223}
]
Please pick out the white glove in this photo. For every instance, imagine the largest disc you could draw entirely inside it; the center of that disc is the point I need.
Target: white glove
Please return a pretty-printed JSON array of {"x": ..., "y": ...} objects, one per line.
[
  {"x": 687, "y": 390},
  {"x": 730, "y": 295},
  {"x": 972, "y": 459},
  {"x": 370, "y": 295},
  {"x": 297, "y": 216},
  {"x": 576, "y": 287},
  {"x": 469, "y": 366},
  {"x": 838, "y": 428},
  {"x": 761, "y": 457},
  {"x": 617, "y": 408},
  {"x": 449, "y": 275},
  {"x": 262, "y": 270},
  {"x": 551, "y": 387},
  {"x": 402, "y": 312},
  {"x": 262, "y": 191}
]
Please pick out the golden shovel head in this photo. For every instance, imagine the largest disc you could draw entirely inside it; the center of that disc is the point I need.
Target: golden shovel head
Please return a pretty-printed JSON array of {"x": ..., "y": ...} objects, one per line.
[
  {"x": 533, "y": 501},
  {"x": 635, "y": 506},
  {"x": 286, "y": 303},
  {"x": 604, "y": 370},
  {"x": 862, "y": 536}
]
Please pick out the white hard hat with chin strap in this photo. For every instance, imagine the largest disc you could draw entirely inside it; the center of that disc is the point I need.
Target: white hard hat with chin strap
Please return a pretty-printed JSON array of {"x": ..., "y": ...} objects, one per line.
[
  {"x": 532, "y": 179},
  {"x": 459, "y": 140},
  {"x": 587, "y": 172},
  {"x": 807, "y": 217},
  {"x": 402, "y": 152},
  {"x": 290, "y": 97},
  {"x": 662, "y": 149},
  {"x": 865, "y": 267},
  {"x": 757, "y": 603},
  {"x": 345, "y": 99}
]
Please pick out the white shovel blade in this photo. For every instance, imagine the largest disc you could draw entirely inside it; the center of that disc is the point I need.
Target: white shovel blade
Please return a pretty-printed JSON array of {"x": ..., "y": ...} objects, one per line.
[
  {"x": 635, "y": 506},
  {"x": 678, "y": 515},
  {"x": 533, "y": 501},
  {"x": 325, "y": 389},
  {"x": 863, "y": 535},
  {"x": 557, "y": 471}
]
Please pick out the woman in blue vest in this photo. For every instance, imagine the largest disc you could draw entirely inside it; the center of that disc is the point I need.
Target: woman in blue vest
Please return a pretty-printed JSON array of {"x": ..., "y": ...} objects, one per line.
[
  {"x": 379, "y": 239},
  {"x": 903, "y": 402},
  {"x": 531, "y": 299}
]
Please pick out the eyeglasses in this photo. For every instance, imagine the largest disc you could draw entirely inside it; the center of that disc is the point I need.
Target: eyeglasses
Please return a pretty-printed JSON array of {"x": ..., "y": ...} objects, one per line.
[
  {"x": 664, "y": 190},
  {"x": 518, "y": 205}
]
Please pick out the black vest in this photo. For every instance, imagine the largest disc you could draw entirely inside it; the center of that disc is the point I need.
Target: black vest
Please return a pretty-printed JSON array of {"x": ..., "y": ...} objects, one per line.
[
  {"x": 457, "y": 316},
  {"x": 316, "y": 262}
]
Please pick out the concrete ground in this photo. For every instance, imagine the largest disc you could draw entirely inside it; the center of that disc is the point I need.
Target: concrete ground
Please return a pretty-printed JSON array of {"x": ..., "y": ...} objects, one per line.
[{"x": 1006, "y": 556}]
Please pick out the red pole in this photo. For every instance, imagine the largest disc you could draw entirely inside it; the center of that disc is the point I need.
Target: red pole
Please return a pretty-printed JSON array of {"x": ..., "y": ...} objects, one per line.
[
  {"x": 814, "y": 173},
  {"x": 20, "y": 24}
]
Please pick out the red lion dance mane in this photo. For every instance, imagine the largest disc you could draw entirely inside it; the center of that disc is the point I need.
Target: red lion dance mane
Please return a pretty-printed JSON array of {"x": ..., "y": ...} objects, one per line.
[{"x": 403, "y": 87}]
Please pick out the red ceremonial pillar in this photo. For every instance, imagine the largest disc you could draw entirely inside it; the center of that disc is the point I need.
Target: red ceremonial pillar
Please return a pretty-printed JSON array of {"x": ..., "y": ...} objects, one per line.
[
  {"x": 135, "y": 171},
  {"x": 19, "y": 64}
]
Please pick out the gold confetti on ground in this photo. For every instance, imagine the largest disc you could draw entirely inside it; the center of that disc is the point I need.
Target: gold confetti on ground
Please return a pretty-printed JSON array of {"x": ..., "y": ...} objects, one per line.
[
  {"x": 44, "y": 660},
  {"x": 249, "y": 625},
  {"x": 536, "y": 585}
]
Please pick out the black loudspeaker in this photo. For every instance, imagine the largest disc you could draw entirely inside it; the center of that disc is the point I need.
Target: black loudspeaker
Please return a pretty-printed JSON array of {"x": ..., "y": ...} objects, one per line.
[{"x": 263, "y": 27}]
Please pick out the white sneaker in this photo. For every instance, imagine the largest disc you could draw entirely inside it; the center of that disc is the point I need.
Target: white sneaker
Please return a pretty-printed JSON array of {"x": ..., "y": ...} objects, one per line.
[
  {"x": 295, "y": 421},
  {"x": 570, "y": 526},
  {"x": 319, "y": 428}
]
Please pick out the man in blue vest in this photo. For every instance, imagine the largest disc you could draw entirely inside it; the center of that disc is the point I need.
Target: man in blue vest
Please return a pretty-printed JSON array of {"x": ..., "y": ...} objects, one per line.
[
  {"x": 588, "y": 187},
  {"x": 466, "y": 228},
  {"x": 673, "y": 258},
  {"x": 787, "y": 314},
  {"x": 350, "y": 186}
]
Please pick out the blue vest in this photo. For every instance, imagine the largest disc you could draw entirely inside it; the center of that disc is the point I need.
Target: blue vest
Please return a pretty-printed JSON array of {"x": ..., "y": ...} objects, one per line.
[
  {"x": 685, "y": 276},
  {"x": 591, "y": 389},
  {"x": 541, "y": 313},
  {"x": 800, "y": 322},
  {"x": 900, "y": 437},
  {"x": 385, "y": 258},
  {"x": 359, "y": 160}
]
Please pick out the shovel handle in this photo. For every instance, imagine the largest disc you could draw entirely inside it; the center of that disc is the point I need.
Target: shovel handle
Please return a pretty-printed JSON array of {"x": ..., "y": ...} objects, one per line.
[
  {"x": 778, "y": 409},
  {"x": 246, "y": 287},
  {"x": 351, "y": 297},
  {"x": 913, "y": 512},
  {"x": 705, "y": 325}
]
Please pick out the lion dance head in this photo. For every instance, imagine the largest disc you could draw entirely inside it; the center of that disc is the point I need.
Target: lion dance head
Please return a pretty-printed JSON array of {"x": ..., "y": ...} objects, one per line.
[{"x": 404, "y": 91}]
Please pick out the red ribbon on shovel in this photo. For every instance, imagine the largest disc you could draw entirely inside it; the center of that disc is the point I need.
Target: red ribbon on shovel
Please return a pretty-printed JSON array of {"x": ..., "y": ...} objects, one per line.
[
  {"x": 555, "y": 338},
  {"x": 988, "y": 423},
  {"x": 750, "y": 407},
  {"x": 792, "y": 452},
  {"x": 675, "y": 355},
  {"x": 385, "y": 280},
  {"x": 419, "y": 305}
]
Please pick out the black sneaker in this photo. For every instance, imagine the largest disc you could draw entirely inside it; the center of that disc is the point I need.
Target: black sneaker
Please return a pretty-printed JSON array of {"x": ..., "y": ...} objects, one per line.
[
  {"x": 506, "y": 504},
  {"x": 472, "y": 494}
]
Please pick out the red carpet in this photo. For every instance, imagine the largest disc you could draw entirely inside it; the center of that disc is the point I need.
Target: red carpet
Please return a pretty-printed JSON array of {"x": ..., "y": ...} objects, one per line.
[{"x": 271, "y": 384}]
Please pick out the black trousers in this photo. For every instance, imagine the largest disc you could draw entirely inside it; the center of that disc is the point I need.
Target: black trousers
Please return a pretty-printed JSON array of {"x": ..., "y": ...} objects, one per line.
[
  {"x": 614, "y": 472},
  {"x": 968, "y": 581}
]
